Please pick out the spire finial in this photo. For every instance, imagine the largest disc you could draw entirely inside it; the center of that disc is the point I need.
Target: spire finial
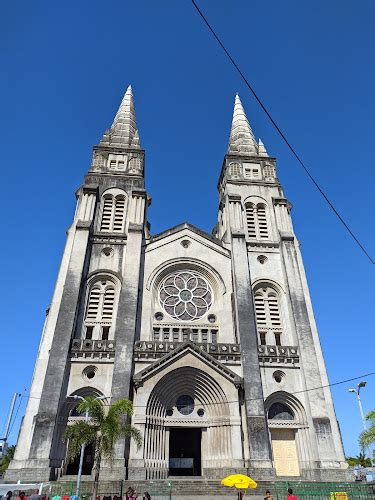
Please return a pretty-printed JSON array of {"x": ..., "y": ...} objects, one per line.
[
  {"x": 241, "y": 140},
  {"x": 123, "y": 132},
  {"x": 262, "y": 148}
]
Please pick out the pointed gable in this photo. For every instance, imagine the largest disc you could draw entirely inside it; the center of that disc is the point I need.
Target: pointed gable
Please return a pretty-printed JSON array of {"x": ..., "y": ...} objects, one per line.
[{"x": 181, "y": 351}]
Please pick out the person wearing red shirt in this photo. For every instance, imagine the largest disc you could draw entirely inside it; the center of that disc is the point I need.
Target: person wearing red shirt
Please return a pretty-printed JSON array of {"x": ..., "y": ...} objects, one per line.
[{"x": 290, "y": 495}]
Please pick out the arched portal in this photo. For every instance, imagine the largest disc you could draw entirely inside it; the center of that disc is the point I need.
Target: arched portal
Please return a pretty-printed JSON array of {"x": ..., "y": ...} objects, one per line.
[
  {"x": 67, "y": 416},
  {"x": 289, "y": 433},
  {"x": 187, "y": 421}
]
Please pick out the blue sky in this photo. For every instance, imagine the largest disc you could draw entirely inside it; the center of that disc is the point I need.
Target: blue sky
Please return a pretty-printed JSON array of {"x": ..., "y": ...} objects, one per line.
[{"x": 65, "y": 67}]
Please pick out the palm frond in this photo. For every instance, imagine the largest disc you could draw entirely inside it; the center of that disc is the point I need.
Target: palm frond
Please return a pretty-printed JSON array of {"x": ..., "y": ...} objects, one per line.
[
  {"x": 93, "y": 407},
  {"x": 128, "y": 430},
  {"x": 367, "y": 437},
  {"x": 78, "y": 434},
  {"x": 121, "y": 407},
  {"x": 103, "y": 429},
  {"x": 108, "y": 446}
]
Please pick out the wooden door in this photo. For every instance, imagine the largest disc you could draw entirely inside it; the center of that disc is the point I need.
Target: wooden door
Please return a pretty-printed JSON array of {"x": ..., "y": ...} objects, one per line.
[{"x": 285, "y": 452}]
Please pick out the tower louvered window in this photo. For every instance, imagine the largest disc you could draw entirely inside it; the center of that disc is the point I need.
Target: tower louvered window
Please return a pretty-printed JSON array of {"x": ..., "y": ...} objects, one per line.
[
  {"x": 113, "y": 214},
  {"x": 267, "y": 312},
  {"x": 99, "y": 310},
  {"x": 256, "y": 221}
]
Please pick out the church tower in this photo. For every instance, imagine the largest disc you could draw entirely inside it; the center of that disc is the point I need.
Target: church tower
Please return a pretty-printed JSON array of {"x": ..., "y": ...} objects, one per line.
[
  {"x": 212, "y": 336},
  {"x": 88, "y": 337},
  {"x": 283, "y": 366}
]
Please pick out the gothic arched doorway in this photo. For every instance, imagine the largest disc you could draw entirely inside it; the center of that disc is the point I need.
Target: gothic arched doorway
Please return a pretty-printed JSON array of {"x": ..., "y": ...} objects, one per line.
[
  {"x": 187, "y": 424},
  {"x": 289, "y": 433}
]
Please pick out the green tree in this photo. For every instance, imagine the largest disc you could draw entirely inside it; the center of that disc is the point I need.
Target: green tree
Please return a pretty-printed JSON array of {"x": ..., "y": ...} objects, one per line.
[
  {"x": 360, "y": 459},
  {"x": 102, "y": 430},
  {"x": 367, "y": 438},
  {"x": 5, "y": 461}
]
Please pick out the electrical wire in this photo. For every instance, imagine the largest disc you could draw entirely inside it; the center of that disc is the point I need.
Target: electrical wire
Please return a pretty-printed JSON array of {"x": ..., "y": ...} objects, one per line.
[
  {"x": 283, "y": 136},
  {"x": 15, "y": 415},
  {"x": 237, "y": 401}
]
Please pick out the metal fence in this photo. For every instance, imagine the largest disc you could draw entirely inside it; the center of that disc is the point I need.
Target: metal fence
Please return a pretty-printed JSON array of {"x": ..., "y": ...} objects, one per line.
[{"x": 326, "y": 491}]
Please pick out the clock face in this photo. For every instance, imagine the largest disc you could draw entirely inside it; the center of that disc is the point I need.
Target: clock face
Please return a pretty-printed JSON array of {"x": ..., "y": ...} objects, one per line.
[{"x": 185, "y": 295}]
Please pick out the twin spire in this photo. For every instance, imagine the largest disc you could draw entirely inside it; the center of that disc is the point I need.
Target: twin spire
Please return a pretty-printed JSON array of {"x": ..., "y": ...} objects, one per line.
[
  {"x": 124, "y": 133},
  {"x": 242, "y": 140}
]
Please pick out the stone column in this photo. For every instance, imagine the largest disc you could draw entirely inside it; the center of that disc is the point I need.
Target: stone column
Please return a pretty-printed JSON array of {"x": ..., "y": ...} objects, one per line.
[
  {"x": 260, "y": 449},
  {"x": 126, "y": 324},
  {"x": 322, "y": 413},
  {"x": 43, "y": 453}
]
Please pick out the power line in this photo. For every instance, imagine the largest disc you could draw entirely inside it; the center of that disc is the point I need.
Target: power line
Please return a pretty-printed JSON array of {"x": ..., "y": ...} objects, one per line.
[
  {"x": 15, "y": 415},
  {"x": 237, "y": 401},
  {"x": 283, "y": 136}
]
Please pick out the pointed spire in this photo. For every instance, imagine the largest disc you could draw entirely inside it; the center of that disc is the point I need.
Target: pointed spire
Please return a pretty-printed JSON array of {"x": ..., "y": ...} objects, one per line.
[
  {"x": 241, "y": 140},
  {"x": 123, "y": 132},
  {"x": 262, "y": 148}
]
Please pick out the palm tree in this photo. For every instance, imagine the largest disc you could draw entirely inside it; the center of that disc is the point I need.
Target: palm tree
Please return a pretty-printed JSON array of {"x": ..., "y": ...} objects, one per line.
[
  {"x": 103, "y": 430},
  {"x": 367, "y": 437}
]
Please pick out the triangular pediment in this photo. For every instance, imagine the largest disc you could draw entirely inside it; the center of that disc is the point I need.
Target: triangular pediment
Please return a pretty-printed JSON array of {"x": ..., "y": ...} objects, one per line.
[
  {"x": 182, "y": 227},
  {"x": 182, "y": 350}
]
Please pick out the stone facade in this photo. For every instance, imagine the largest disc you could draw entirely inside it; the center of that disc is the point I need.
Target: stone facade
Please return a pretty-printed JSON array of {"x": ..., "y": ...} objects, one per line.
[{"x": 212, "y": 336}]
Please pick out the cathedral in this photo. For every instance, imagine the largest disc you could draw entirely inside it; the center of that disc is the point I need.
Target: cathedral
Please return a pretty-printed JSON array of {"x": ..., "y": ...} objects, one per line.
[{"x": 212, "y": 336}]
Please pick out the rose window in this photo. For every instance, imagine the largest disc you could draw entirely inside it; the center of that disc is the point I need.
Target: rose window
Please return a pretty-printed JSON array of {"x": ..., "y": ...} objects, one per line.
[{"x": 185, "y": 295}]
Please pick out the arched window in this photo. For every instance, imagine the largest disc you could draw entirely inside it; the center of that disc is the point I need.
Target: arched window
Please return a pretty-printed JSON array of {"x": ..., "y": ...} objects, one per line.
[
  {"x": 280, "y": 411},
  {"x": 256, "y": 221},
  {"x": 269, "y": 172},
  {"x": 100, "y": 309},
  {"x": 267, "y": 312},
  {"x": 113, "y": 212}
]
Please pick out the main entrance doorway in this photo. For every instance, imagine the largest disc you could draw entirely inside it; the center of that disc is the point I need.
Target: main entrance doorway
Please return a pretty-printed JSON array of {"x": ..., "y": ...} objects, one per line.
[{"x": 185, "y": 451}]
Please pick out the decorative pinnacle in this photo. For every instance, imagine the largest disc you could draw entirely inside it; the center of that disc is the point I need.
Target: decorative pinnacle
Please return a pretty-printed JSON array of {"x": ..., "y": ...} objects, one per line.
[
  {"x": 241, "y": 140},
  {"x": 123, "y": 132},
  {"x": 262, "y": 149}
]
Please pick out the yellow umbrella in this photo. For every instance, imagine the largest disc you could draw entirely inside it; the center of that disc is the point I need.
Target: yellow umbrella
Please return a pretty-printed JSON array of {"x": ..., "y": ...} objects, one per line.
[{"x": 239, "y": 481}]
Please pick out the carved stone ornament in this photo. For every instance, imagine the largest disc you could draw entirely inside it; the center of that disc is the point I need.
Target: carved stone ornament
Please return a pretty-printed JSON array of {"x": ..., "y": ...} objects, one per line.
[
  {"x": 135, "y": 166},
  {"x": 98, "y": 160}
]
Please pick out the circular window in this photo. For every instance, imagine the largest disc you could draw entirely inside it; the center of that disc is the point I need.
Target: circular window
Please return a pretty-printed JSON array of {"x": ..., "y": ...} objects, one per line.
[
  {"x": 159, "y": 316},
  {"x": 211, "y": 318},
  {"x": 185, "y": 295},
  {"x": 278, "y": 376},
  {"x": 185, "y": 405},
  {"x": 262, "y": 259},
  {"x": 107, "y": 251},
  {"x": 89, "y": 372},
  {"x": 169, "y": 412},
  {"x": 200, "y": 412}
]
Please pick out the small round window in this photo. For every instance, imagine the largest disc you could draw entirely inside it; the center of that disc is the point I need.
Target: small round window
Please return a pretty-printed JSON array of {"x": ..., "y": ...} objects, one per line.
[{"x": 185, "y": 405}]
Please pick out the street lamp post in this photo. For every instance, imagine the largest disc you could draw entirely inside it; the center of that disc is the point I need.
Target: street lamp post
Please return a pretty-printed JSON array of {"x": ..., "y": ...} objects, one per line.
[
  {"x": 357, "y": 393},
  {"x": 79, "y": 476}
]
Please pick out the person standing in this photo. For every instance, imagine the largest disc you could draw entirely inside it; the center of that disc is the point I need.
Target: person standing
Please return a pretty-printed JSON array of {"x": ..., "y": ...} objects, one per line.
[{"x": 291, "y": 496}]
